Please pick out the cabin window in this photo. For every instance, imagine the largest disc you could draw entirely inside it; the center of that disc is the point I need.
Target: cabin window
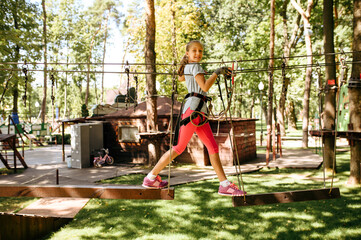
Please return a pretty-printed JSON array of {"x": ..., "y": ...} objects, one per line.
[{"x": 128, "y": 133}]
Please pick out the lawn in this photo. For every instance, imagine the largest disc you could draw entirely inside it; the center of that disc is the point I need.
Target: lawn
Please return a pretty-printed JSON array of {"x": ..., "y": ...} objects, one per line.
[{"x": 198, "y": 212}]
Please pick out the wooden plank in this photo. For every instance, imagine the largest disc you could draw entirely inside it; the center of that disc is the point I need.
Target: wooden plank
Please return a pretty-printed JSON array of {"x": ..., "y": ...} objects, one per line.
[
  {"x": 6, "y": 137},
  {"x": 88, "y": 191},
  {"x": 286, "y": 197},
  {"x": 4, "y": 162}
]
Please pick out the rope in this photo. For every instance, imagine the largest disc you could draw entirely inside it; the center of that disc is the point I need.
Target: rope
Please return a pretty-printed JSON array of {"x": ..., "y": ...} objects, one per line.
[
  {"x": 178, "y": 64},
  {"x": 338, "y": 90},
  {"x": 127, "y": 96},
  {"x": 52, "y": 78},
  {"x": 318, "y": 70},
  {"x": 171, "y": 124},
  {"x": 249, "y": 70},
  {"x": 136, "y": 90},
  {"x": 25, "y": 71}
]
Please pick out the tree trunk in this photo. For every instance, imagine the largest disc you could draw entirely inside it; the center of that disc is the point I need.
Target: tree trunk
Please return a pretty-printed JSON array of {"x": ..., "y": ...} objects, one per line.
[
  {"x": 292, "y": 119},
  {"x": 150, "y": 56},
  {"x": 104, "y": 51},
  {"x": 355, "y": 96},
  {"x": 329, "y": 112},
  {"x": 43, "y": 104},
  {"x": 306, "y": 96},
  {"x": 288, "y": 44},
  {"x": 270, "y": 82}
]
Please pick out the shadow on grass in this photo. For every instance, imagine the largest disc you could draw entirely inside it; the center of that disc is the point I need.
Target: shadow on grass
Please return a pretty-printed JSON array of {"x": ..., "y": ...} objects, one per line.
[{"x": 198, "y": 212}]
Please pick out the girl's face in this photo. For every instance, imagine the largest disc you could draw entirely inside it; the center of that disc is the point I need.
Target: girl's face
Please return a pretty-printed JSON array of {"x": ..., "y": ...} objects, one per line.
[{"x": 195, "y": 52}]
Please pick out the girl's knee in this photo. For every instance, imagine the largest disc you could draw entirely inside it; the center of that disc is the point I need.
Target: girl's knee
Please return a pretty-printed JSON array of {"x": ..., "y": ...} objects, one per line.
[
  {"x": 213, "y": 149},
  {"x": 178, "y": 149}
]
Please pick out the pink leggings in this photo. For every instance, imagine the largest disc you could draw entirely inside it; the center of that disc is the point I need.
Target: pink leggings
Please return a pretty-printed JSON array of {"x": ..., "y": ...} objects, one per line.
[{"x": 204, "y": 133}]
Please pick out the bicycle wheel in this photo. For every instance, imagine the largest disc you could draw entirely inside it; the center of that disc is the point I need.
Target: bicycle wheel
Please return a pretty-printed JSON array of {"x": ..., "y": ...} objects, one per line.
[{"x": 110, "y": 160}]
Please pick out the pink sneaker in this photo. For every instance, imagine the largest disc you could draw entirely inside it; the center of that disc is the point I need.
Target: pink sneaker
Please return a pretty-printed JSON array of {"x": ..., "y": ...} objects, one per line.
[
  {"x": 154, "y": 184},
  {"x": 231, "y": 190}
]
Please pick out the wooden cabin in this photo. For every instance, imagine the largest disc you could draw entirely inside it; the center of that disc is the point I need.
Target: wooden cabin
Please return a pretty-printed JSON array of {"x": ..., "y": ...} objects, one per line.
[{"x": 126, "y": 136}]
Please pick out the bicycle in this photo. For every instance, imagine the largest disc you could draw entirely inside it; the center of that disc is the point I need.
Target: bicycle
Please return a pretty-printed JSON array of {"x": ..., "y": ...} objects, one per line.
[{"x": 100, "y": 161}]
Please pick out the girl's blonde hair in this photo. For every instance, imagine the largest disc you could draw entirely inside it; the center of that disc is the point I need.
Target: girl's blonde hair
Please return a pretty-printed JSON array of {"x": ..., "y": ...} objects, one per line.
[{"x": 184, "y": 60}]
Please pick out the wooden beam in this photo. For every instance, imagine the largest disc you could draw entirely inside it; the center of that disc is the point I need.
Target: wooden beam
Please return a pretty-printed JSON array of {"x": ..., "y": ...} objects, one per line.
[
  {"x": 286, "y": 197},
  {"x": 77, "y": 191},
  {"x": 4, "y": 161}
]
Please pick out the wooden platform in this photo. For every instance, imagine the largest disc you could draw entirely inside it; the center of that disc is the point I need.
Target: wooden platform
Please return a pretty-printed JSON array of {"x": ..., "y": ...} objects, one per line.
[
  {"x": 55, "y": 207},
  {"x": 286, "y": 197},
  {"x": 94, "y": 191},
  {"x": 10, "y": 140},
  {"x": 351, "y": 135}
]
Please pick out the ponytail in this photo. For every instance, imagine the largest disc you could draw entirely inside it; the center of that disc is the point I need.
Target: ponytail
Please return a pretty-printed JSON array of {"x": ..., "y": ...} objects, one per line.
[{"x": 183, "y": 63}]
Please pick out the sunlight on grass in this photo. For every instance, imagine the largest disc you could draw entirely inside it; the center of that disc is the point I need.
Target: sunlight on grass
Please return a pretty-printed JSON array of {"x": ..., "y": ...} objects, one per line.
[
  {"x": 15, "y": 204},
  {"x": 198, "y": 212}
]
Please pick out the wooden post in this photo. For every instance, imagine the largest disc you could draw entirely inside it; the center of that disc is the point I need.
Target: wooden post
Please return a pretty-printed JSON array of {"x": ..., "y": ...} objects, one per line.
[
  {"x": 14, "y": 149},
  {"x": 62, "y": 140}
]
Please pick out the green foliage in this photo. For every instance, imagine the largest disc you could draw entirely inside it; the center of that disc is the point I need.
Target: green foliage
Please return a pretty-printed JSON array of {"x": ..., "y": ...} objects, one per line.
[
  {"x": 229, "y": 29},
  {"x": 20, "y": 41},
  {"x": 84, "y": 111}
]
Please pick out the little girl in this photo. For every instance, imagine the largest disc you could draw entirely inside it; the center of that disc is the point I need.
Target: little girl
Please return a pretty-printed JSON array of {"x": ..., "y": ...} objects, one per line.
[{"x": 193, "y": 74}]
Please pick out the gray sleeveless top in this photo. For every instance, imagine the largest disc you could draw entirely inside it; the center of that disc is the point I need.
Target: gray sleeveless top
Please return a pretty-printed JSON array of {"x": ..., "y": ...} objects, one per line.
[{"x": 190, "y": 71}]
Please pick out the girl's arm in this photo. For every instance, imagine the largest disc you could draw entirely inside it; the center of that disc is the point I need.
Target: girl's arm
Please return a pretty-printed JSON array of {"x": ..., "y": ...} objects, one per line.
[{"x": 204, "y": 84}]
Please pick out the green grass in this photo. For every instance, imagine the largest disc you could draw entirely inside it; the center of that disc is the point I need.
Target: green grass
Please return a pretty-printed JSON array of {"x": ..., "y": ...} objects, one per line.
[
  {"x": 14, "y": 204},
  {"x": 198, "y": 212},
  {"x": 5, "y": 171}
]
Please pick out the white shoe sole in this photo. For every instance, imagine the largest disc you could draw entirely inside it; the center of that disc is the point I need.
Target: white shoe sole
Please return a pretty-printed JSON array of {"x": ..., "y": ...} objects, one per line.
[
  {"x": 148, "y": 187},
  {"x": 229, "y": 195}
]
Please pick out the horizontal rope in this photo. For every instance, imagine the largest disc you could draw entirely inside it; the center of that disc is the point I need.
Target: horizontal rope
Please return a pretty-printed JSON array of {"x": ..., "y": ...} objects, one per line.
[
  {"x": 243, "y": 70},
  {"x": 178, "y": 64}
]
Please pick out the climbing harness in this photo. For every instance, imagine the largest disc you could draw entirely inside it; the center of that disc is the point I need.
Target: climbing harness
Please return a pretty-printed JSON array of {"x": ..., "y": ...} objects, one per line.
[
  {"x": 25, "y": 71},
  {"x": 197, "y": 113}
]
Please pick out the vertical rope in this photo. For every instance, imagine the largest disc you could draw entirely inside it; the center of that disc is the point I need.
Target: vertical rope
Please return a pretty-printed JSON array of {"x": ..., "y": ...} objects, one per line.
[
  {"x": 338, "y": 90},
  {"x": 174, "y": 87},
  {"x": 25, "y": 71},
  {"x": 127, "y": 71},
  {"x": 234, "y": 145},
  {"x": 318, "y": 70}
]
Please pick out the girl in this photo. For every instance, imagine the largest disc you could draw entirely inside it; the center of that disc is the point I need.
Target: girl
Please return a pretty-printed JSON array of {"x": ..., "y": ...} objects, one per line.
[{"x": 193, "y": 74}]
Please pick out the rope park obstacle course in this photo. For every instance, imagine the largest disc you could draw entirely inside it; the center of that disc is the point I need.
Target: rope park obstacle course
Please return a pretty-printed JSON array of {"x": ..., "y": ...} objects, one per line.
[{"x": 258, "y": 199}]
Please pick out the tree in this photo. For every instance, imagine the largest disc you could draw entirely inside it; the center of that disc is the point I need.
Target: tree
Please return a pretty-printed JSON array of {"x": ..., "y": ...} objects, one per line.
[
  {"x": 270, "y": 81},
  {"x": 354, "y": 92},
  {"x": 150, "y": 57},
  {"x": 45, "y": 51},
  {"x": 288, "y": 44},
  {"x": 19, "y": 40},
  {"x": 330, "y": 74},
  {"x": 306, "y": 97}
]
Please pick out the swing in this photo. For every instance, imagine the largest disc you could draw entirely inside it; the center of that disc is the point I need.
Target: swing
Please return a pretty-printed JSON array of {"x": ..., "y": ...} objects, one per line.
[
  {"x": 86, "y": 191},
  {"x": 300, "y": 195}
]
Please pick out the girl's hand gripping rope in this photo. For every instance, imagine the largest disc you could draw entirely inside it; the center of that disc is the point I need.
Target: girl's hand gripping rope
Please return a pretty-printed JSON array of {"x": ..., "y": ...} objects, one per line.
[{"x": 223, "y": 70}]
